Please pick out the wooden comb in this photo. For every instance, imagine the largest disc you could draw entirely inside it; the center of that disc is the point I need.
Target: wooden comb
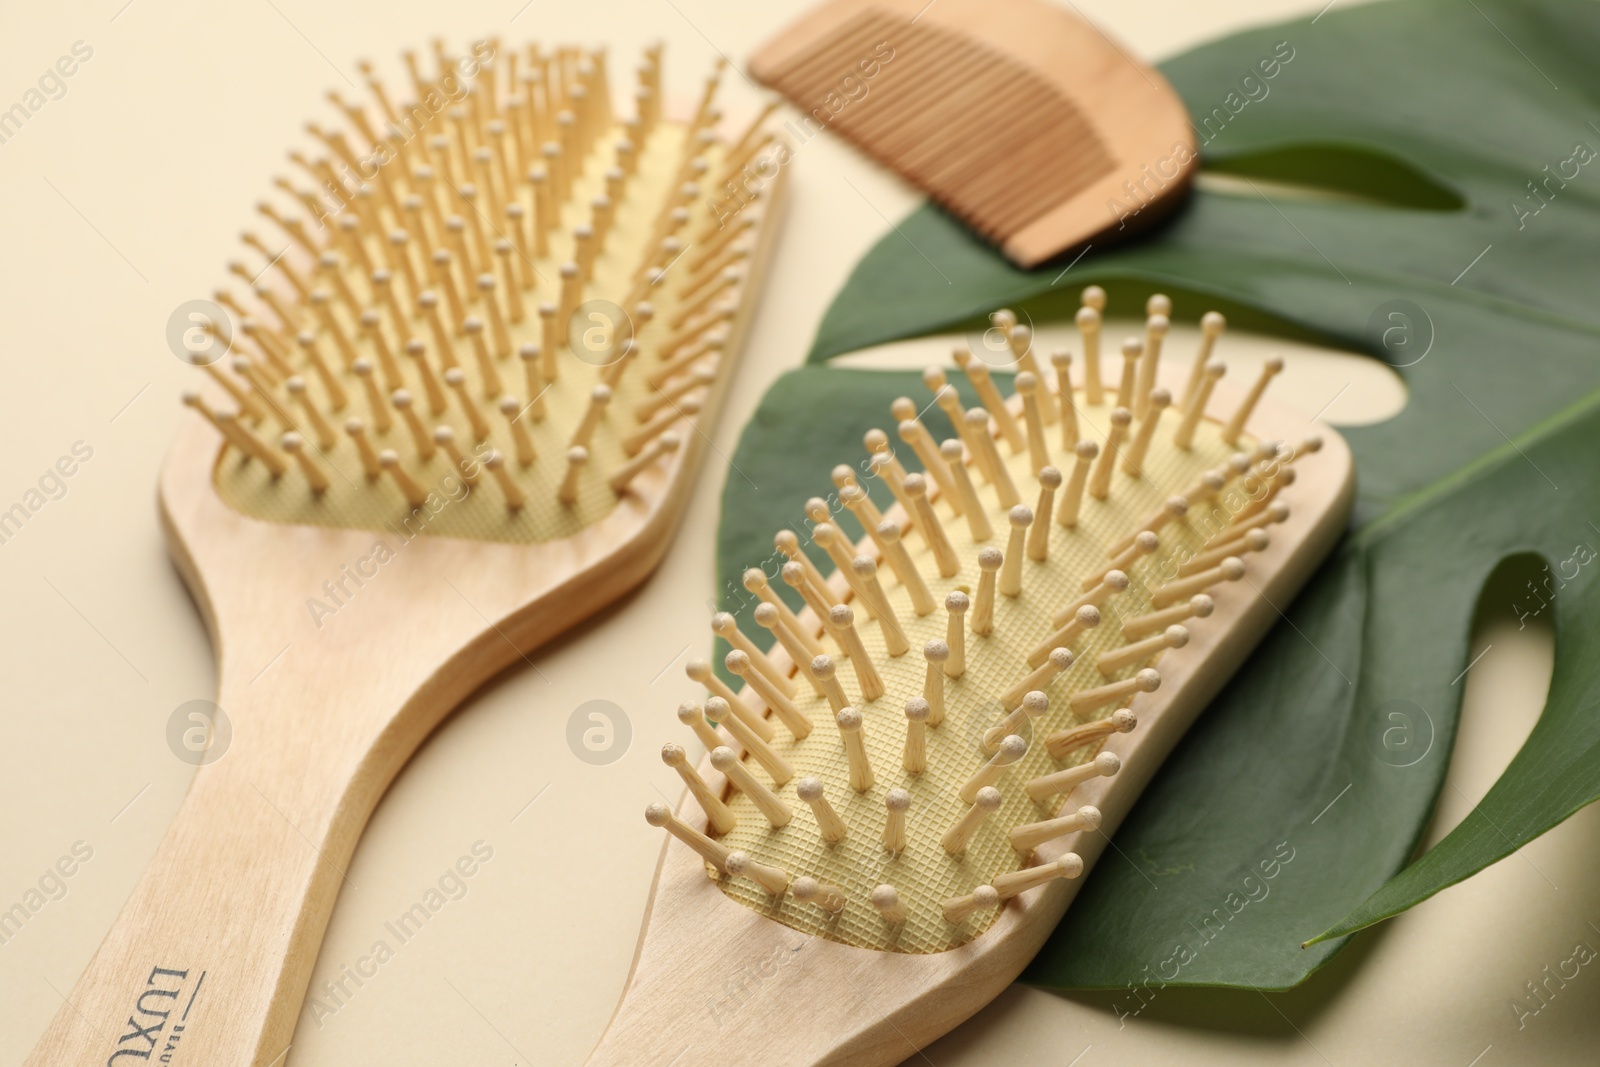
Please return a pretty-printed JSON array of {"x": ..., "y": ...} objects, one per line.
[
  {"x": 879, "y": 840},
  {"x": 1028, "y": 124},
  {"x": 442, "y": 442}
]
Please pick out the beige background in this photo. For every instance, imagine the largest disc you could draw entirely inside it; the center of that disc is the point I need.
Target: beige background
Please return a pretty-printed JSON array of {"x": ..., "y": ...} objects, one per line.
[{"x": 121, "y": 200}]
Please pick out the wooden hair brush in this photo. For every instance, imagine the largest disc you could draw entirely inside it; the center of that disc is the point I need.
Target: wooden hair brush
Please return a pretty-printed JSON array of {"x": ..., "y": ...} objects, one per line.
[
  {"x": 1024, "y": 121},
  {"x": 900, "y": 800},
  {"x": 439, "y": 441}
]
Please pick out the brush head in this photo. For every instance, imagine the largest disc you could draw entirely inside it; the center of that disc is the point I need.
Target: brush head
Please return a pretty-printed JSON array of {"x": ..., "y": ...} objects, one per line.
[
  {"x": 938, "y": 765},
  {"x": 490, "y": 266}
]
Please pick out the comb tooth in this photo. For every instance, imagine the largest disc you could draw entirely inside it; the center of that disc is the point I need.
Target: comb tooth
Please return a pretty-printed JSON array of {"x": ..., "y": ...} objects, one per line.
[
  {"x": 899, "y": 559},
  {"x": 756, "y": 582},
  {"x": 1253, "y": 540},
  {"x": 861, "y": 506},
  {"x": 1038, "y": 449},
  {"x": 1184, "y": 438},
  {"x": 692, "y": 716},
  {"x": 1063, "y": 743},
  {"x": 445, "y": 438},
  {"x": 286, "y": 318},
  {"x": 914, "y": 759},
  {"x": 977, "y": 373},
  {"x": 294, "y": 445},
  {"x": 937, "y": 654},
  {"x": 240, "y": 394},
  {"x": 1199, "y": 606},
  {"x": 1034, "y": 704},
  {"x": 829, "y": 825},
  {"x": 1145, "y": 542},
  {"x": 1047, "y": 787},
  {"x": 719, "y": 817},
  {"x": 949, "y": 402},
  {"x": 864, "y": 578},
  {"x": 444, "y": 276},
  {"x": 1013, "y": 883},
  {"x": 844, "y": 631},
  {"x": 989, "y": 561},
  {"x": 1067, "y": 410},
  {"x": 914, "y": 495},
  {"x": 1174, "y": 507},
  {"x": 965, "y": 493},
  {"x": 886, "y": 465},
  {"x": 1275, "y": 512},
  {"x": 896, "y": 802},
  {"x": 372, "y": 330},
  {"x": 825, "y": 677},
  {"x": 635, "y": 442},
  {"x": 887, "y": 900},
  {"x": 913, "y": 433},
  {"x": 1072, "y": 498},
  {"x": 1100, "y": 480},
  {"x": 1174, "y": 636},
  {"x": 357, "y": 431},
  {"x": 958, "y": 909},
  {"x": 270, "y": 344},
  {"x": 511, "y": 408},
  {"x": 795, "y": 577},
  {"x": 850, "y": 730},
  {"x": 1088, "y": 320},
  {"x": 1229, "y": 570},
  {"x": 1114, "y": 582},
  {"x": 487, "y": 295},
  {"x": 296, "y": 387},
  {"x": 1056, "y": 663},
  {"x": 1087, "y": 617},
  {"x": 700, "y": 377},
  {"x": 829, "y": 898},
  {"x": 1029, "y": 836},
  {"x": 1211, "y": 326},
  {"x": 1128, "y": 384},
  {"x": 228, "y": 425},
  {"x": 772, "y": 695},
  {"x": 246, "y": 368},
  {"x": 1087, "y": 700},
  {"x": 383, "y": 296},
  {"x": 338, "y": 399},
  {"x": 710, "y": 344},
  {"x": 775, "y": 880},
  {"x": 824, "y": 535},
  {"x": 658, "y": 814},
  {"x": 956, "y": 605},
  {"x": 726, "y": 627},
  {"x": 1284, "y": 478},
  {"x": 530, "y": 355},
  {"x": 775, "y": 811},
  {"x": 456, "y": 380},
  {"x": 428, "y": 302},
  {"x": 389, "y": 460},
  {"x": 472, "y": 326},
  {"x": 1020, "y": 338},
  {"x": 400, "y": 250},
  {"x": 983, "y": 804},
  {"x": 1155, "y": 331},
  {"x": 599, "y": 399},
  {"x": 1021, "y": 518},
  {"x": 1156, "y": 402},
  {"x": 988, "y": 455},
  {"x": 402, "y": 403},
  {"x": 1011, "y": 749},
  {"x": 1038, "y": 546},
  {"x": 698, "y": 670},
  {"x": 515, "y": 497}
]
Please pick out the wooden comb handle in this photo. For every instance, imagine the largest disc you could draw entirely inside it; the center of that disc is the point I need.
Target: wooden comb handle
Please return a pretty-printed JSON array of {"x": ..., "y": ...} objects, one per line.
[{"x": 210, "y": 958}]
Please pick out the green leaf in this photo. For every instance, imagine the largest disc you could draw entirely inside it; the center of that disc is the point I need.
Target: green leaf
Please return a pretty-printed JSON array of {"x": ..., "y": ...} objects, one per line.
[{"x": 1330, "y": 745}]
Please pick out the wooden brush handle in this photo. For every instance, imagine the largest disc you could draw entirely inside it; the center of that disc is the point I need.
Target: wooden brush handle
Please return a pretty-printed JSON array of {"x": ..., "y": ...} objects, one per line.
[{"x": 210, "y": 958}]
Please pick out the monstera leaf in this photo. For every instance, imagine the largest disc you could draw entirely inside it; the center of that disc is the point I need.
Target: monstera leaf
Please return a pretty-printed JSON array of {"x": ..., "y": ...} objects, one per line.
[{"x": 1462, "y": 256}]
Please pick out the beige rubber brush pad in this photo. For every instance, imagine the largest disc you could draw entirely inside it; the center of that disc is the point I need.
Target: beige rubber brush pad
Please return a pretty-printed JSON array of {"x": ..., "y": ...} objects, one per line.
[{"x": 352, "y": 501}]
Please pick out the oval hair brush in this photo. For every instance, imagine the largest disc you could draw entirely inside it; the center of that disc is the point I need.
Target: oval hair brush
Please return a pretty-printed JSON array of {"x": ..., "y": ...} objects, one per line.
[
  {"x": 903, "y": 795},
  {"x": 438, "y": 441}
]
